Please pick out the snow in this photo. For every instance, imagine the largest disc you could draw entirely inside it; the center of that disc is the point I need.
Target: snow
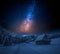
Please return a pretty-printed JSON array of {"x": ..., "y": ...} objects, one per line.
[{"x": 31, "y": 48}]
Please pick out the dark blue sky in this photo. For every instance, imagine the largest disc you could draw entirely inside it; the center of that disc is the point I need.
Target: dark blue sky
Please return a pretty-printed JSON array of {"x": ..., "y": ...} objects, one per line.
[{"x": 40, "y": 11}]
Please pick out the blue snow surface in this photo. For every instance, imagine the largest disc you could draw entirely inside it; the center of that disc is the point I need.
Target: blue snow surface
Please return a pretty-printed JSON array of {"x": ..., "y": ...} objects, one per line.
[{"x": 32, "y": 48}]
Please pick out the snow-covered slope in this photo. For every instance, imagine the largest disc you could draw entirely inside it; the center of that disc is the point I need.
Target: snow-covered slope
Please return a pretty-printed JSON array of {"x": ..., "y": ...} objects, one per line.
[{"x": 31, "y": 47}]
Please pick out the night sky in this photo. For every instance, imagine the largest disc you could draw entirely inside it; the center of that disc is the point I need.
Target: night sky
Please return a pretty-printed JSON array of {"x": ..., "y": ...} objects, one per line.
[{"x": 29, "y": 16}]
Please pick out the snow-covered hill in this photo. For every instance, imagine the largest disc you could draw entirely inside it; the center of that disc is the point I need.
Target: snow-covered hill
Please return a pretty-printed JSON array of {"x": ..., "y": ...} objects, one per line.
[{"x": 31, "y": 47}]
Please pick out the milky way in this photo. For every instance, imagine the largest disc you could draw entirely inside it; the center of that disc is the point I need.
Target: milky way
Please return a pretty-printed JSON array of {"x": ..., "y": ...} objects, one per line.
[
  {"x": 27, "y": 16},
  {"x": 26, "y": 25}
]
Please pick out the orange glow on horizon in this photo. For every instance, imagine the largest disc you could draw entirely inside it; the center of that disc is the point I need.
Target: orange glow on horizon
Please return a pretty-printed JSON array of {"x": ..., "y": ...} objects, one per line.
[{"x": 26, "y": 26}]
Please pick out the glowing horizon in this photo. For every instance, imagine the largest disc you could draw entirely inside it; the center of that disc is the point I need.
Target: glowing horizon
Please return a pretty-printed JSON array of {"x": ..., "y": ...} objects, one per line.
[{"x": 26, "y": 26}]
